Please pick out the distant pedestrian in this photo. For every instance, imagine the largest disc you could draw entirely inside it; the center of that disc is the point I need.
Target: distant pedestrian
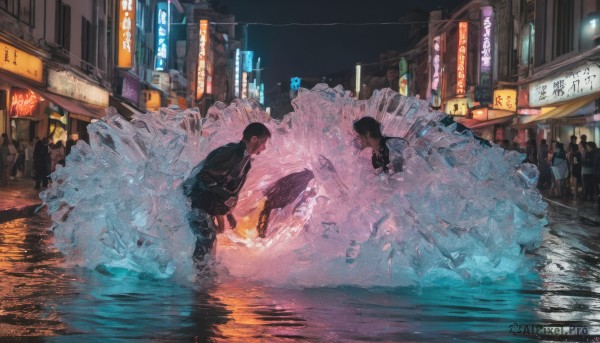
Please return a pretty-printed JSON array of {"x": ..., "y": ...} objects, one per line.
[
  {"x": 57, "y": 156},
  {"x": 587, "y": 171},
  {"x": 559, "y": 170},
  {"x": 531, "y": 151},
  {"x": 543, "y": 165},
  {"x": 575, "y": 163},
  {"x": 42, "y": 163}
]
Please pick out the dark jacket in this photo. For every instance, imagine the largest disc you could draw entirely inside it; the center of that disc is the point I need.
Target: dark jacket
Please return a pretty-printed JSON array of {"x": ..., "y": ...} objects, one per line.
[
  {"x": 387, "y": 144},
  {"x": 219, "y": 179}
]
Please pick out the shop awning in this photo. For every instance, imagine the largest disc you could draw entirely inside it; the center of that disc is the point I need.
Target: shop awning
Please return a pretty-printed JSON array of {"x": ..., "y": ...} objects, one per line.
[
  {"x": 468, "y": 122},
  {"x": 71, "y": 105},
  {"x": 565, "y": 110},
  {"x": 124, "y": 109},
  {"x": 497, "y": 121}
]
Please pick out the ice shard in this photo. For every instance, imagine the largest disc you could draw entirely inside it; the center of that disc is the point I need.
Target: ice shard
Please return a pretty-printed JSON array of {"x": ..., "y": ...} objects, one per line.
[{"x": 460, "y": 211}]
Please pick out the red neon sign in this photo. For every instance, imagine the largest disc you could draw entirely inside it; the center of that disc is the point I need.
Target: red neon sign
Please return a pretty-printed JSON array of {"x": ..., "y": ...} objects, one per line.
[
  {"x": 22, "y": 102},
  {"x": 461, "y": 60}
]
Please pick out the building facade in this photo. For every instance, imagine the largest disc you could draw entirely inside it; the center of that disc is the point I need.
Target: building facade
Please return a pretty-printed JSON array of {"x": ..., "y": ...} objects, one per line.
[{"x": 65, "y": 61}]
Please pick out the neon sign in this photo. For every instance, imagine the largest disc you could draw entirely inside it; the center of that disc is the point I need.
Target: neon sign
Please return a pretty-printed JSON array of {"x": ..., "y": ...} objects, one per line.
[
  {"x": 261, "y": 94},
  {"x": 162, "y": 38},
  {"x": 244, "y": 85},
  {"x": 237, "y": 73},
  {"x": 505, "y": 99},
  {"x": 247, "y": 63},
  {"x": 202, "y": 58},
  {"x": 436, "y": 55},
  {"x": 487, "y": 24},
  {"x": 22, "y": 102},
  {"x": 461, "y": 58},
  {"x": 126, "y": 33}
]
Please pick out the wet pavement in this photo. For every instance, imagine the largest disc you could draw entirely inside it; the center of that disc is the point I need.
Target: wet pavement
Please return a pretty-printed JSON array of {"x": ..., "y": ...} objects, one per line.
[
  {"x": 45, "y": 299},
  {"x": 19, "y": 199}
]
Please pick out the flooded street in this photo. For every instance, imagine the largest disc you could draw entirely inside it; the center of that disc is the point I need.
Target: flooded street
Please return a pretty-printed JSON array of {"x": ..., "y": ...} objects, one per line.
[{"x": 40, "y": 297}]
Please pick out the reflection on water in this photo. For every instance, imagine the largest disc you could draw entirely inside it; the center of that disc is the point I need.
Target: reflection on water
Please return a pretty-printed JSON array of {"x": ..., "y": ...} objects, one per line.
[{"x": 40, "y": 297}]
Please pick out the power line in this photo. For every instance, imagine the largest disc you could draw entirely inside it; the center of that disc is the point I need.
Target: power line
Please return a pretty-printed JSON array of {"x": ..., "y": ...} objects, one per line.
[{"x": 340, "y": 24}]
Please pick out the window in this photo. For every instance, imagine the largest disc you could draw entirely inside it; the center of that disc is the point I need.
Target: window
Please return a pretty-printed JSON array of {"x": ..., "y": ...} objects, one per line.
[
  {"x": 563, "y": 28},
  {"x": 63, "y": 25},
  {"x": 26, "y": 12},
  {"x": 87, "y": 45},
  {"x": 22, "y": 10}
]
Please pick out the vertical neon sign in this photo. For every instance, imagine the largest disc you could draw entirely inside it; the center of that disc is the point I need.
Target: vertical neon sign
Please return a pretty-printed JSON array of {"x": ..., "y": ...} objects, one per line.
[
  {"x": 357, "y": 81},
  {"x": 435, "y": 98},
  {"x": 486, "y": 55},
  {"x": 261, "y": 94},
  {"x": 244, "y": 85},
  {"x": 237, "y": 73},
  {"x": 461, "y": 58},
  {"x": 202, "y": 59},
  {"x": 162, "y": 39},
  {"x": 126, "y": 33}
]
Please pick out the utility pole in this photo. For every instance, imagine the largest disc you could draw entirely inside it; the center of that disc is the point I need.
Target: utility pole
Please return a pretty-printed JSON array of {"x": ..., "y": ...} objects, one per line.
[{"x": 245, "y": 44}]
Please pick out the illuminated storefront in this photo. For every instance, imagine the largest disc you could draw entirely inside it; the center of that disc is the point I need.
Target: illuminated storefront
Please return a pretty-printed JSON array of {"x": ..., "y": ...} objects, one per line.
[
  {"x": 19, "y": 72},
  {"x": 574, "y": 93}
]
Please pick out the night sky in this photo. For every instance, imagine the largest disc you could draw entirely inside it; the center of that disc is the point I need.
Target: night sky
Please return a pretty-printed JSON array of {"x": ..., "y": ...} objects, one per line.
[{"x": 315, "y": 51}]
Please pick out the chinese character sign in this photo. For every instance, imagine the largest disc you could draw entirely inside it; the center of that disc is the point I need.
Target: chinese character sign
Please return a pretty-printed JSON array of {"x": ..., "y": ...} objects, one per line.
[
  {"x": 202, "y": 51},
  {"x": 572, "y": 84},
  {"x": 487, "y": 32},
  {"x": 126, "y": 32},
  {"x": 162, "y": 39},
  {"x": 21, "y": 63},
  {"x": 485, "y": 51},
  {"x": 505, "y": 99},
  {"x": 461, "y": 58}
]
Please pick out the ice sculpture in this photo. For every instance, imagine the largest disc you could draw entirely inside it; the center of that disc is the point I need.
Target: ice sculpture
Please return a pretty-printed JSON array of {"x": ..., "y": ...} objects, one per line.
[{"x": 459, "y": 212}]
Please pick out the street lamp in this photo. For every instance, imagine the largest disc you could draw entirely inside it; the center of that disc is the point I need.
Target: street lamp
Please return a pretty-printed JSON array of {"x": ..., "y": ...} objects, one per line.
[{"x": 357, "y": 81}]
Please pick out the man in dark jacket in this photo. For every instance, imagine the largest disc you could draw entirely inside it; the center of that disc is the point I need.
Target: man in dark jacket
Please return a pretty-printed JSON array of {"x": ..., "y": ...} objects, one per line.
[{"x": 216, "y": 183}]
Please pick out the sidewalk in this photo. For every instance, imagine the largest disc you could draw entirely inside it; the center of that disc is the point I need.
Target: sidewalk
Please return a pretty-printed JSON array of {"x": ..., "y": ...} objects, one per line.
[
  {"x": 19, "y": 199},
  {"x": 588, "y": 210}
]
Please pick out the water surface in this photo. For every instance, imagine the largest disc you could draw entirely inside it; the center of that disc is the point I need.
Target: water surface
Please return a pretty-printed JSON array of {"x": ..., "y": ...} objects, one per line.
[{"x": 44, "y": 300}]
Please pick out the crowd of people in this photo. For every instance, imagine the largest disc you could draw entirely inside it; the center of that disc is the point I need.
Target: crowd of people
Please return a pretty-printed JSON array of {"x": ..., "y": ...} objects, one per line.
[
  {"x": 36, "y": 159},
  {"x": 571, "y": 171}
]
